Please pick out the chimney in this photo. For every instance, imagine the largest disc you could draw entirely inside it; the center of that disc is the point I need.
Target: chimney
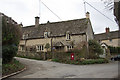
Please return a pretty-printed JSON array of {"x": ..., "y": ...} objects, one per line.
[
  {"x": 87, "y": 15},
  {"x": 21, "y": 25},
  {"x": 36, "y": 21},
  {"x": 107, "y": 30}
]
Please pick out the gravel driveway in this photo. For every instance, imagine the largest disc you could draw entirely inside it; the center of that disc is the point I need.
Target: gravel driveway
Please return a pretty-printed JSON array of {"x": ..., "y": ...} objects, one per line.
[{"x": 47, "y": 69}]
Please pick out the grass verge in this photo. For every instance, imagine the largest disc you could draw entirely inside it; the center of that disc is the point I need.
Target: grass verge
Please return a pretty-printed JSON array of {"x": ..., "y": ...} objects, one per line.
[
  {"x": 29, "y": 57},
  {"x": 11, "y": 67}
]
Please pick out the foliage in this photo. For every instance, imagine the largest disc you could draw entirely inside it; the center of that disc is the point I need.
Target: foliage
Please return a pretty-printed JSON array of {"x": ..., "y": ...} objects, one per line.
[
  {"x": 109, "y": 4},
  {"x": 64, "y": 57},
  {"x": 114, "y": 50},
  {"x": 11, "y": 67},
  {"x": 8, "y": 53},
  {"x": 94, "y": 49},
  {"x": 94, "y": 61},
  {"x": 47, "y": 46},
  {"x": 84, "y": 62},
  {"x": 56, "y": 60},
  {"x": 11, "y": 35}
]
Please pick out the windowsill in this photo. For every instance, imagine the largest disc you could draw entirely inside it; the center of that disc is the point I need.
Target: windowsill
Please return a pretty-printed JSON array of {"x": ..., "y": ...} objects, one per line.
[
  {"x": 39, "y": 51},
  {"x": 67, "y": 39}
]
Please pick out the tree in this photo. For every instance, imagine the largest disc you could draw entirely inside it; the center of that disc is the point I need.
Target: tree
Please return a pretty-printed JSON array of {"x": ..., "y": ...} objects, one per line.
[
  {"x": 109, "y": 4},
  {"x": 113, "y": 4},
  {"x": 95, "y": 49},
  {"x": 11, "y": 35},
  {"x": 47, "y": 46}
]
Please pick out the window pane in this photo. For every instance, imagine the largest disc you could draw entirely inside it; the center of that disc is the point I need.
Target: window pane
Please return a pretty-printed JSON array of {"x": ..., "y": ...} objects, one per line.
[{"x": 42, "y": 47}]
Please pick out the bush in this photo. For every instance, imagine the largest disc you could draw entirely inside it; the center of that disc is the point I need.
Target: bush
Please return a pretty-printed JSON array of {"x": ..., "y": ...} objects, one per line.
[
  {"x": 114, "y": 50},
  {"x": 11, "y": 35},
  {"x": 8, "y": 52},
  {"x": 56, "y": 60},
  {"x": 95, "y": 49},
  {"x": 12, "y": 67},
  {"x": 94, "y": 61}
]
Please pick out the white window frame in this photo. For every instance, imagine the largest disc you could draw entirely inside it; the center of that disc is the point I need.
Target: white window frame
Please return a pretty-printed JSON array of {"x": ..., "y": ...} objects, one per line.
[
  {"x": 39, "y": 48},
  {"x": 23, "y": 36},
  {"x": 22, "y": 48},
  {"x": 69, "y": 47},
  {"x": 45, "y": 34},
  {"x": 68, "y": 36}
]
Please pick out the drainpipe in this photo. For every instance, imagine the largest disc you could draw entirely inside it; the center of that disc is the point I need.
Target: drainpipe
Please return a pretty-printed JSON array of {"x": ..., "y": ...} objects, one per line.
[
  {"x": 25, "y": 44},
  {"x": 51, "y": 45},
  {"x": 87, "y": 55}
]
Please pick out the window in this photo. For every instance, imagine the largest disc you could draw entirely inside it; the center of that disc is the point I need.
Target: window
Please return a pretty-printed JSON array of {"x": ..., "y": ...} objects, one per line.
[
  {"x": 22, "y": 47},
  {"x": 69, "y": 47},
  {"x": 23, "y": 37},
  {"x": 45, "y": 34},
  {"x": 68, "y": 36},
  {"x": 110, "y": 40},
  {"x": 39, "y": 48}
]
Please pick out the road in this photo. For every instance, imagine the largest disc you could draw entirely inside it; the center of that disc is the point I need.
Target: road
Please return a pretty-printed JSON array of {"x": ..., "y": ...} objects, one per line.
[{"x": 48, "y": 69}]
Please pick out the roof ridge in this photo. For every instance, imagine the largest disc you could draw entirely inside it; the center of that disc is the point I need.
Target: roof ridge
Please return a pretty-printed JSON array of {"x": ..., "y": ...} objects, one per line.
[
  {"x": 109, "y": 32},
  {"x": 55, "y": 22}
]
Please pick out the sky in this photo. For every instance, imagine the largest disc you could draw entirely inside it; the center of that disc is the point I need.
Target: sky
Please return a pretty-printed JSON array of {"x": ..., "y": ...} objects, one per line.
[{"x": 25, "y": 11}]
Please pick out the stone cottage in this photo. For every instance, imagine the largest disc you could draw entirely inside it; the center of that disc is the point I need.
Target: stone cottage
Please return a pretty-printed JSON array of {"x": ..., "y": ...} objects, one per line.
[
  {"x": 110, "y": 38},
  {"x": 59, "y": 36}
]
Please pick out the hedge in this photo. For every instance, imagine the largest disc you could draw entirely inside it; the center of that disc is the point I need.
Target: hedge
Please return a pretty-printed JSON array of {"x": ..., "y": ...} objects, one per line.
[
  {"x": 8, "y": 52},
  {"x": 114, "y": 50}
]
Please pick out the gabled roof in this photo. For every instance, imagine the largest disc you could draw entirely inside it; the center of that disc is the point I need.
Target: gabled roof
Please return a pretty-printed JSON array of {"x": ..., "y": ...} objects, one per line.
[
  {"x": 77, "y": 26},
  {"x": 58, "y": 44},
  {"x": 106, "y": 36}
]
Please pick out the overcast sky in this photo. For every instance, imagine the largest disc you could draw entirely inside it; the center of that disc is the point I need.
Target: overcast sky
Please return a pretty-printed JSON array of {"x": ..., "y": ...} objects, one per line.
[{"x": 25, "y": 11}]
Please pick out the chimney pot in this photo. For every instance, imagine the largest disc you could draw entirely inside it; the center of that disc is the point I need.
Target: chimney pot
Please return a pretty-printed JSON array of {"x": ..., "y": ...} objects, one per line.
[{"x": 107, "y": 30}]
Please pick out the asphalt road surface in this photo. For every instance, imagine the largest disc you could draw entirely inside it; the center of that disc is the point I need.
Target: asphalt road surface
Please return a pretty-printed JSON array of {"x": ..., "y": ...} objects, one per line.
[{"x": 48, "y": 69}]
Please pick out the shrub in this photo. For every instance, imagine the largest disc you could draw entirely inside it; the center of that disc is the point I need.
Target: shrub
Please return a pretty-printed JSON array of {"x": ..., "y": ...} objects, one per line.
[
  {"x": 114, "y": 50},
  {"x": 8, "y": 52},
  {"x": 95, "y": 49},
  {"x": 56, "y": 60},
  {"x": 94, "y": 61},
  {"x": 11, "y": 35},
  {"x": 11, "y": 67},
  {"x": 47, "y": 46}
]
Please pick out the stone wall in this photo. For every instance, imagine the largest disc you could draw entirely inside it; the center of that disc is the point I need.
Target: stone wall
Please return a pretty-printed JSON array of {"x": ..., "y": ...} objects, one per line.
[
  {"x": 33, "y": 42},
  {"x": 113, "y": 42},
  {"x": 36, "y": 55}
]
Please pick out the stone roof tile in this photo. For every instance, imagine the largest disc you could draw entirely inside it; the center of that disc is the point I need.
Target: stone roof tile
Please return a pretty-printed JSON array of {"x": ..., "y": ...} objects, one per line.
[{"x": 77, "y": 26}]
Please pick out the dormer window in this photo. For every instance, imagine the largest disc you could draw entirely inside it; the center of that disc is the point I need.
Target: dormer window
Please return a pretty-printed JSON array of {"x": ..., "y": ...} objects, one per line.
[
  {"x": 68, "y": 36},
  {"x": 23, "y": 37},
  {"x": 46, "y": 34}
]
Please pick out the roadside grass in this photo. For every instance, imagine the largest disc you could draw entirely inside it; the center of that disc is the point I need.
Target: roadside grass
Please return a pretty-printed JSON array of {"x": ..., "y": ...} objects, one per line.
[
  {"x": 29, "y": 57},
  {"x": 11, "y": 67}
]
